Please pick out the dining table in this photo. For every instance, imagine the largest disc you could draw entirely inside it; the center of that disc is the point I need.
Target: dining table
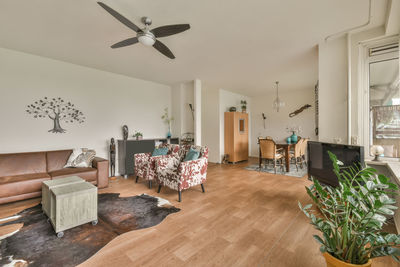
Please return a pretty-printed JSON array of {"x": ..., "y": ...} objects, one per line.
[{"x": 285, "y": 147}]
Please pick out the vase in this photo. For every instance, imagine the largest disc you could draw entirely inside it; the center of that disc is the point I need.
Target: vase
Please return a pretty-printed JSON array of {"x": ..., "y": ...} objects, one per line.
[
  {"x": 293, "y": 137},
  {"x": 289, "y": 140},
  {"x": 334, "y": 262},
  {"x": 169, "y": 134}
]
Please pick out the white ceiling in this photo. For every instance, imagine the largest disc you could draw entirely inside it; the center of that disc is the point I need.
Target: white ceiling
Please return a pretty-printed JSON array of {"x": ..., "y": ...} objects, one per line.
[{"x": 242, "y": 46}]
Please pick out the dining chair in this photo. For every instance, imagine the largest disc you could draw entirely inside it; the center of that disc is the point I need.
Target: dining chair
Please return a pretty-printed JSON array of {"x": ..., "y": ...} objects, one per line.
[
  {"x": 296, "y": 155},
  {"x": 270, "y": 153},
  {"x": 303, "y": 150}
]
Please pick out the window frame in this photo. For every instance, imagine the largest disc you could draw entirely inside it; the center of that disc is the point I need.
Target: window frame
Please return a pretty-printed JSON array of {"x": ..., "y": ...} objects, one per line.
[{"x": 364, "y": 108}]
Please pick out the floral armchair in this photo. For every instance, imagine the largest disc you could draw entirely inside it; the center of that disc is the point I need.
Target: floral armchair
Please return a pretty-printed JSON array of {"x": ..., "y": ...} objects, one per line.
[
  {"x": 179, "y": 175},
  {"x": 145, "y": 163}
]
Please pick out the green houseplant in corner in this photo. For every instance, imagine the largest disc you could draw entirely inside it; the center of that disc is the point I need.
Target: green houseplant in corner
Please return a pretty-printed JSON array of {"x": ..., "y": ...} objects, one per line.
[{"x": 351, "y": 216}]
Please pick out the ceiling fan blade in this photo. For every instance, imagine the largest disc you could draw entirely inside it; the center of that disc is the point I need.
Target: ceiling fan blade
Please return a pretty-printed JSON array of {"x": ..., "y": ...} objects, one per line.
[
  {"x": 120, "y": 18},
  {"x": 126, "y": 42},
  {"x": 170, "y": 30},
  {"x": 163, "y": 49}
]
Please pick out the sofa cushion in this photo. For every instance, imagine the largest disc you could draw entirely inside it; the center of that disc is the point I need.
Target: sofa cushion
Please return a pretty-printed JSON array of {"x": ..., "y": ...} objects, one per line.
[
  {"x": 22, "y": 184},
  {"x": 88, "y": 174},
  {"x": 57, "y": 159},
  {"x": 22, "y": 163}
]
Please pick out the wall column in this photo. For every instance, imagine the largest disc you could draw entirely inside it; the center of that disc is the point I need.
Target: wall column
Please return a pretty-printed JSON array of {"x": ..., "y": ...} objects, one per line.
[{"x": 197, "y": 112}]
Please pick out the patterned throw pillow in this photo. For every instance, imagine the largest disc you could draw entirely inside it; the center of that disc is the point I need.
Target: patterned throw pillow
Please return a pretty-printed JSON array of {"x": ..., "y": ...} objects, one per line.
[{"x": 81, "y": 158}]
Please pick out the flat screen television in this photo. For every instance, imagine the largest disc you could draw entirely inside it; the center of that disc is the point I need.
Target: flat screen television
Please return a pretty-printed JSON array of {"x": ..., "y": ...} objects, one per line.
[{"x": 320, "y": 165}]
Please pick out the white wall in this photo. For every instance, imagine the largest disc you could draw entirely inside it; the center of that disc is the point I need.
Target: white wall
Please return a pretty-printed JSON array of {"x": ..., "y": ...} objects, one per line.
[
  {"x": 333, "y": 90},
  {"x": 182, "y": 95},
  {"x": 107, "y": 100},
  {"x": 176, "y": 127},
  {"x": 276, "y": 122},
  {"x": 197, "y": 112},
  {"x": 210, "y": 116},
  {"x": 187, "y": 97}
]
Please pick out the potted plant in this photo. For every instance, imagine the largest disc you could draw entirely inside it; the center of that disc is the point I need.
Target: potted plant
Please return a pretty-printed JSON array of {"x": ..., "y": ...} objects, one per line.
[
  {"x": 168, "y": 120},
  {"x": 351, "y": 215},
  {"x": 244, "y": 105},
  {"x": 138, "y": 135}
]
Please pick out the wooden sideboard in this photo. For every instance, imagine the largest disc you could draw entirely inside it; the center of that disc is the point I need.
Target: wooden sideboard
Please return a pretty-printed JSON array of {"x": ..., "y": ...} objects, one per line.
[{"x": 128, "y": 148}]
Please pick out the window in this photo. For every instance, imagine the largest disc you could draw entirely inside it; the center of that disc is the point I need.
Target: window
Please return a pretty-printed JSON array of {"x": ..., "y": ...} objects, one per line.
[{"x": 384, "y": 99}]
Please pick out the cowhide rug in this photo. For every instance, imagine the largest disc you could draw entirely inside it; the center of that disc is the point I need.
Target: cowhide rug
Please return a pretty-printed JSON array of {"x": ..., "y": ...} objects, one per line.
[{"x": 36, "y": 243}]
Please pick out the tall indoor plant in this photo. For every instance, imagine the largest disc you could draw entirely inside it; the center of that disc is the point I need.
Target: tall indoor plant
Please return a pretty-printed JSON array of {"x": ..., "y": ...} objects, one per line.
[{"x": 351, "y": 216}]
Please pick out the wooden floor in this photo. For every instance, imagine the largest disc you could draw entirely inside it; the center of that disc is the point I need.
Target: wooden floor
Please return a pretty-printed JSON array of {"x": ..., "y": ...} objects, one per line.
[{"x": 245, "y": 218}]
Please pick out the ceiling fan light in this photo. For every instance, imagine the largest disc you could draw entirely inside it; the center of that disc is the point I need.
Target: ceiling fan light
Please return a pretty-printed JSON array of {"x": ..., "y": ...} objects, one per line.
[{"x": 146, "y": 40}]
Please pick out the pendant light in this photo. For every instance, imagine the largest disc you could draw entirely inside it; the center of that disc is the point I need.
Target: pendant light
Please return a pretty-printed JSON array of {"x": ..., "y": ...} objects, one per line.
[{"x": 277, "y": 102}]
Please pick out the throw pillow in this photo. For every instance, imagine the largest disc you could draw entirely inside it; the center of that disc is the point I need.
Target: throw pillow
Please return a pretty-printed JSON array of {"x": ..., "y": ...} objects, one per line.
[
  {"x": 81, "y": 158},
  {"x": 161, "y": 151},
  {"x": 192, "y": 155}
]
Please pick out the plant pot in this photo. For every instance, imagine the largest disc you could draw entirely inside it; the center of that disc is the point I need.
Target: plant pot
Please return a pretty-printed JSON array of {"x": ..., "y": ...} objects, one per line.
[
  {"x": 334, "y": 262},
  {"x": 139, "y": 137},
  {"x": 244, "y": 110}
]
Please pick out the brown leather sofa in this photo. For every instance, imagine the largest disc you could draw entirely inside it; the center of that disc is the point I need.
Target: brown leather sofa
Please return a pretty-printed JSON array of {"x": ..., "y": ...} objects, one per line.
[{"x": 22, "y": 174}]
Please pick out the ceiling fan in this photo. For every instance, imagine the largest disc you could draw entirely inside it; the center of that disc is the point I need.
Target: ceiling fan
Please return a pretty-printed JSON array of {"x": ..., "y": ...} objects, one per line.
[{"x": 146, "y": 36}]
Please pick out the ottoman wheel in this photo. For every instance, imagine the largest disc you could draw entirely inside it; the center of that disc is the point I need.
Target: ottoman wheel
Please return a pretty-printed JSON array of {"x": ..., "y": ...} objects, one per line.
[
  {"x": 60, "y": 234},
  {"x": 95, "y": 222}
]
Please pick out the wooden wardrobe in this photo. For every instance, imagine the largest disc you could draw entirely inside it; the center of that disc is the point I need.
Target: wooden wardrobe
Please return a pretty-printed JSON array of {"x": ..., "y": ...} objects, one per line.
[{"x": 236, "y": 136}]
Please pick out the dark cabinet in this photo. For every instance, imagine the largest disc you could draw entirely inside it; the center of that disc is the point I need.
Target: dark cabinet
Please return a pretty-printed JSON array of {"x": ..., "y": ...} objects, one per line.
[{"x": 128, "y": 148}]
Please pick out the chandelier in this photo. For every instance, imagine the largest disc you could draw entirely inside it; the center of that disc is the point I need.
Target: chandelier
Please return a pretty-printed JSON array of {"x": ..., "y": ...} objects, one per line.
[{"x": 278, "y": 104}]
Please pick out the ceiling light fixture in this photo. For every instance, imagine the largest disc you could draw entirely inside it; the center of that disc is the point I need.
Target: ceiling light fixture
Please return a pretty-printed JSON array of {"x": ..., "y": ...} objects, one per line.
[
  {"x": 146, "y": 38},
  {"x": 277, "y": 102}
]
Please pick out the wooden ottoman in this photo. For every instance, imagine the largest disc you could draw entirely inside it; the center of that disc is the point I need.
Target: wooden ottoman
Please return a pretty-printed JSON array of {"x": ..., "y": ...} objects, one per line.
[
  {"x": 73, "y": 205},
  {"x": 48, "y": 185}
]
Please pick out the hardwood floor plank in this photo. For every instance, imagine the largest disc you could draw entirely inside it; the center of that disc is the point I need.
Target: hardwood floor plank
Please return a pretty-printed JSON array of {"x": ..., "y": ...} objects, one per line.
[{"x": 245, "y": 218}]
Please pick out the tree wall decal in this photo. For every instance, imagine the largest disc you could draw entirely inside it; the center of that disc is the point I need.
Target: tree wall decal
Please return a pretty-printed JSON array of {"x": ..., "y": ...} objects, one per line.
[{"x": 57, "y": 110}]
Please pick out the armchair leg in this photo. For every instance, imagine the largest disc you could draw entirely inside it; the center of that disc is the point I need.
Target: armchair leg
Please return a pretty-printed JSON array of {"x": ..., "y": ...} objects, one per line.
[
  {"x": 202, "y": 188},
  {"x": 159, "y": 189},
  {"x": 149, "y": 184},
  {"x": 180, "y": 196},
  {"x": 137, "y": 177}
]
